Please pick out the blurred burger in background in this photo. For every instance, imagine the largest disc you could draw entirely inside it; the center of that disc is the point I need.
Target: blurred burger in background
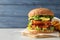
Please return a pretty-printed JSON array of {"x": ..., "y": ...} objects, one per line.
[{"x": 40, "y": 20}]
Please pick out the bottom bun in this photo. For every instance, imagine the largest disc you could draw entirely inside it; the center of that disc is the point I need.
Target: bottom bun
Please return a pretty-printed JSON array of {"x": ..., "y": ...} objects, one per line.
[{"x": 37, "y": 32}]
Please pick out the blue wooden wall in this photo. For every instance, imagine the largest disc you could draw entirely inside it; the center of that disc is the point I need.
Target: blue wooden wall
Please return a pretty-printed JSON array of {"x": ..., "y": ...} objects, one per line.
[{"x": 13, "y": 13}]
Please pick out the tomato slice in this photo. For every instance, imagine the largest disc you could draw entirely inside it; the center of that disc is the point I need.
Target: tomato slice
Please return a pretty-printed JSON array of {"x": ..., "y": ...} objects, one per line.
[{"x": 36, "y": 22}]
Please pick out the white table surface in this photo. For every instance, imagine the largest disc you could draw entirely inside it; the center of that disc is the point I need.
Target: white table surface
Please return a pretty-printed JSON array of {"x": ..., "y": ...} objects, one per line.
[{"x": 14, "y": 34}]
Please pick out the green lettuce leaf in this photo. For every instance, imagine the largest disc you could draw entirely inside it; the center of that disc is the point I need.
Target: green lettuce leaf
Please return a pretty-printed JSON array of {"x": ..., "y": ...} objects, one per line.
[{"x": 38, "y": 17}]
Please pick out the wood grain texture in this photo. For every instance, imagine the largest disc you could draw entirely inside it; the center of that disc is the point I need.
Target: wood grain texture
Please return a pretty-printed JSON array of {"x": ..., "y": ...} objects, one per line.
[{"x": 13, "y": 13}]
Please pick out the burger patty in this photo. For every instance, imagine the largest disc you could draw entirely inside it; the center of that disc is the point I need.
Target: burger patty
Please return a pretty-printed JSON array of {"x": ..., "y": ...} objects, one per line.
[
  {"x": 40, "y": 24},
  {"x": 34, "y": 22}
]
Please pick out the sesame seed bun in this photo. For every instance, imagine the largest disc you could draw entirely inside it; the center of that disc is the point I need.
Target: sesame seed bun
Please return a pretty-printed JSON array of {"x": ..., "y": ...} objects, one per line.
[{"x": 40, "y": 11}]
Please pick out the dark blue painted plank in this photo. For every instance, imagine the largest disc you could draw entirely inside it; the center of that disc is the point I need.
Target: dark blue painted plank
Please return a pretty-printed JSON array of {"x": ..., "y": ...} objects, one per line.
[
  {"x": 28, "y": 1},
  {"x": 21, "y": 10},
  {"x": 13, "y": 21}
]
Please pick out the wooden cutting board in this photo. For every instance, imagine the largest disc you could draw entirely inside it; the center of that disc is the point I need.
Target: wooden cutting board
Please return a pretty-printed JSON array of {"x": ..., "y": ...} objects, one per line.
[{"x": 34, "y": 36}]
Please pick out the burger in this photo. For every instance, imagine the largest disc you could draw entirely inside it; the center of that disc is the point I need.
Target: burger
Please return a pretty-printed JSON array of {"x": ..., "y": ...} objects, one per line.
[{"x": 39, "y": 21}]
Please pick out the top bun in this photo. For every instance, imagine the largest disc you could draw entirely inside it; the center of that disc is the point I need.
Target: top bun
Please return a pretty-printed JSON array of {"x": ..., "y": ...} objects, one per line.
[{"x": 40, "y": 11}]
